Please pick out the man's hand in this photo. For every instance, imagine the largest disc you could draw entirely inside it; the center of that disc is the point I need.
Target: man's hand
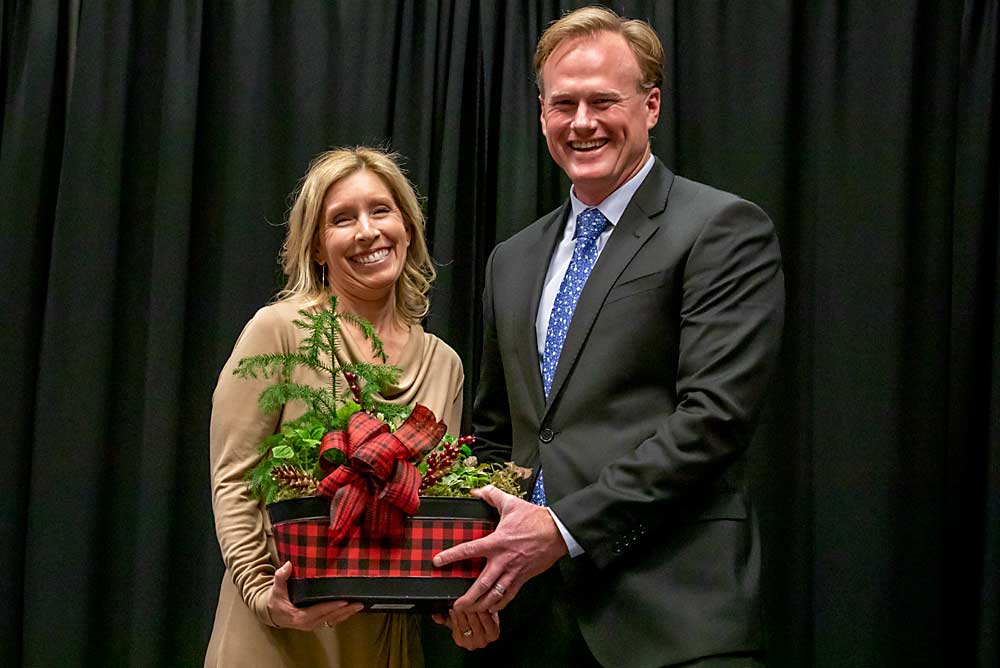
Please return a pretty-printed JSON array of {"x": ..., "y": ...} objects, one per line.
[
  {"x": 285, "y": 615},
  {"x": 526, "y": 542}
]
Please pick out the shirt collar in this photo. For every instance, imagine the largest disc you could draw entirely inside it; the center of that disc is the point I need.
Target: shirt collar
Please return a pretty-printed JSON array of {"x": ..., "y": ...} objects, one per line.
[{"x": 613, "y": 206}]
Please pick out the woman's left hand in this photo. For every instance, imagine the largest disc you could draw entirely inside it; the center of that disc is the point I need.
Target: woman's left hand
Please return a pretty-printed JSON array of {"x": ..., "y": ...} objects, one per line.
[{"x": 473, "y": 630}]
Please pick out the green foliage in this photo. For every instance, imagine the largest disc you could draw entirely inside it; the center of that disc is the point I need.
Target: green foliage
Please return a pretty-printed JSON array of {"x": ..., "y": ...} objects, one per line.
[
  {"x": 297, "y": 443},
  {"x": 295, "y": 447},
  {"x": 460, "y": 474},
  {"x": 467, "y": 478}
]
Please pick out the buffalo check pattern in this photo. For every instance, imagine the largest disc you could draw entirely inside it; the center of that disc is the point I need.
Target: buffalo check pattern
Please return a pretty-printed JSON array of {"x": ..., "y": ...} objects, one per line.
[{"x": 306, "y": 543}]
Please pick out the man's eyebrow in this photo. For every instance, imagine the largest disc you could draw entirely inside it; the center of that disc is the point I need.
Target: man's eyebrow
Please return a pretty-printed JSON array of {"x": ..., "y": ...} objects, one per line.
[{"x": 591, "y": 94}]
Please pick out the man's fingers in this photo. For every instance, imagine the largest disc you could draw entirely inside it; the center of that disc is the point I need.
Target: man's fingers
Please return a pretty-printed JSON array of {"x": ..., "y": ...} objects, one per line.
[
  {"x": 501, "y": 594},
  {"x": 497, "y": 498},
  {"x": 489, "y": 494},
  {"x": 473, "y": 549},
  {"x": 478, "y": 593}
]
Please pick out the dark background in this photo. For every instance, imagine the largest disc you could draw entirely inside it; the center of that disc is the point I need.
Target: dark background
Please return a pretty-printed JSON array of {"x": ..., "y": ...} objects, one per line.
[{"x": 146, "y": 157}]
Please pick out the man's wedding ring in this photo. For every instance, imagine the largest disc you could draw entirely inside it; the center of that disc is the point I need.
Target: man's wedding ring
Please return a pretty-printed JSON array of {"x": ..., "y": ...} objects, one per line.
[
  {"x": 467, "y": 632},
  {"x": 500, "y": 589}
]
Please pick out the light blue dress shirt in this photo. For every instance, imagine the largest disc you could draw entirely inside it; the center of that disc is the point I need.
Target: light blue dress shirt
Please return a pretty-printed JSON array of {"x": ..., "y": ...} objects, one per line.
[{"x": 612, "y": 207}]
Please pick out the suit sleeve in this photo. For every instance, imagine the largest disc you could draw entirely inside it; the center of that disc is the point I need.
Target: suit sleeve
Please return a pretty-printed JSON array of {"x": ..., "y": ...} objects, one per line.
[
  {"x": 491, "y": 421},
  {"x": 731, "y": 317},
  {"x": 237, "y": 428}
]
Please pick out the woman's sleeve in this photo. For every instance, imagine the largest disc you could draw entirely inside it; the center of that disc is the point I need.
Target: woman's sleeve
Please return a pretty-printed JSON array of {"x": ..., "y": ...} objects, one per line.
[{"x": 238, "y": 426}]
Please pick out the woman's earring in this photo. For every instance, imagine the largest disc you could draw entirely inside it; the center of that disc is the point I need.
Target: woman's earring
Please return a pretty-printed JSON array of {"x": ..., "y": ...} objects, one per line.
[{"x": 323, "y": 274}]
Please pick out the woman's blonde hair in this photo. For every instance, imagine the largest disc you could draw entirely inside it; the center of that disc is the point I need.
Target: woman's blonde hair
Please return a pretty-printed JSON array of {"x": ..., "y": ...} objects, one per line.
[
  {"x": 587, "y": 22},
  {"x": 298, "y": 254}
]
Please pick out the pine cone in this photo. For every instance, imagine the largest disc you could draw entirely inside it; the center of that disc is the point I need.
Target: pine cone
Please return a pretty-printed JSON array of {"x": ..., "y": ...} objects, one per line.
[{"x": 292, "y": 478}]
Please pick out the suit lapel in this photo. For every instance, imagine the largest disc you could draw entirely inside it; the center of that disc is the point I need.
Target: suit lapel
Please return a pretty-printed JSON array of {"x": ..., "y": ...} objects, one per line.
[
  {"x": 536, "y": 262},
  {"x": 640, "y": 220}
]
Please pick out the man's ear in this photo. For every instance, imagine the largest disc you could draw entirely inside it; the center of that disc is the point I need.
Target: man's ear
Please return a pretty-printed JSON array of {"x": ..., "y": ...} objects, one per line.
[
  {"x": 652, "y": 107},
  {"x": 541, "y": 114}
]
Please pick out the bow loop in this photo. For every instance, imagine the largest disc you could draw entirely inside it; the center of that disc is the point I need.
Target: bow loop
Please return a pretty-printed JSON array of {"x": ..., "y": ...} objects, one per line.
[{"x": 378, "y": 477}]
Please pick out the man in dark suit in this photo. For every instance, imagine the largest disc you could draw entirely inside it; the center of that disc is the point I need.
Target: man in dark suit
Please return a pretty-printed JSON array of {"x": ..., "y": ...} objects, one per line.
[{"x": 630, "y": 336}]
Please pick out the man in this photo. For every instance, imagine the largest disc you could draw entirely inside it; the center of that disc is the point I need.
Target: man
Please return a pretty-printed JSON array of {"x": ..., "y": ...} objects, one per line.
[{"x": 629, "y": 338}]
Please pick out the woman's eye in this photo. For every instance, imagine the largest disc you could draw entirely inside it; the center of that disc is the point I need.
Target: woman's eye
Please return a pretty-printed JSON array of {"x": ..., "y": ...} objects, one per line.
[{"x": 381, "y": 211}]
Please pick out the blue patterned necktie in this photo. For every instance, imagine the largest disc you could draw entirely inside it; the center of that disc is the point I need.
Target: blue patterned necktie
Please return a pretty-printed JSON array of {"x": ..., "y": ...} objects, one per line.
[{"x": 589, "y": 225}]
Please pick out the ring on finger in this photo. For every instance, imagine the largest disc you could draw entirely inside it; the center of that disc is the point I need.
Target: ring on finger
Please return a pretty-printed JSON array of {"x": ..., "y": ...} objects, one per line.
[
  {"x": 467, "y": 633},
  {"x": 500, "y": 589}
]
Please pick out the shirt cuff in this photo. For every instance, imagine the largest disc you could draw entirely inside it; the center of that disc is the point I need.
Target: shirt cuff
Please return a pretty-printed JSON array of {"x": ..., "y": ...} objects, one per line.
[{"x": 574, "y": 547}]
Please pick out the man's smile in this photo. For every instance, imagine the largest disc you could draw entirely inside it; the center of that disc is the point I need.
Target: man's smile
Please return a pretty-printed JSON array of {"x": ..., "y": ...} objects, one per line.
[{"x": 589, "y": 145}]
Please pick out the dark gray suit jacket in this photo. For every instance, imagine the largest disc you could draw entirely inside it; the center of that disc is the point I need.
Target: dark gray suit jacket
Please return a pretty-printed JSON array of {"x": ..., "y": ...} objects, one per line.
[{"x": 644, "y": 436}]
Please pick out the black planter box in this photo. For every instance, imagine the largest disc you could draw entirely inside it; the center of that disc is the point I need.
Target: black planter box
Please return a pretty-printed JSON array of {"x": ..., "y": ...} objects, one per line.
[{"x": 387, "y": 575}]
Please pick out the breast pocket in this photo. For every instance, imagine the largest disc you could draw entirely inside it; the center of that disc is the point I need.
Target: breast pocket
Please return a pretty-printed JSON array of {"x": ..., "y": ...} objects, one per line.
[{"x": 637, "y": 285}]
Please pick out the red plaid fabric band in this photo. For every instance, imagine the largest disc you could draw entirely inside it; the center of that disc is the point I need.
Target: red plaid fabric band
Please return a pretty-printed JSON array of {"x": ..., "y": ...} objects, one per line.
[{"x": 307, "y": 544}]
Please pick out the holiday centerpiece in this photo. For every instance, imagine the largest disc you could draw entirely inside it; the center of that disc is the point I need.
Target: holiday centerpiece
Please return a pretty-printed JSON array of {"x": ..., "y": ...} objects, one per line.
[{"x": 362, "y": 493}]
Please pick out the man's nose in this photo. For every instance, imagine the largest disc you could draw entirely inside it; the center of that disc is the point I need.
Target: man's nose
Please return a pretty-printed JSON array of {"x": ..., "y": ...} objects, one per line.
[{"x": 583, "y": 119}]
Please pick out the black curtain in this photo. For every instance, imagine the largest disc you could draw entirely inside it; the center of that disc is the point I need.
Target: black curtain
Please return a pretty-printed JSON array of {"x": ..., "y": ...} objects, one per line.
[{"x": 146, "y": 156}]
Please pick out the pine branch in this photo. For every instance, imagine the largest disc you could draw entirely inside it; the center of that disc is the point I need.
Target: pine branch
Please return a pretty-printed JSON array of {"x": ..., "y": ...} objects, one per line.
[
  {"x": 391, "y": 414},
  {"x": 368, "y": 331},
  {"x": 376, "y": 377},
  {"x": 270, "y": 365},
  {"x": 279, "y": 394}
]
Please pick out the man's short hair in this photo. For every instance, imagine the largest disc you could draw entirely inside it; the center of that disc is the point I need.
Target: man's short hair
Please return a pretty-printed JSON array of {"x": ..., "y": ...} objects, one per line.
[{"x": 587, "y": 22}]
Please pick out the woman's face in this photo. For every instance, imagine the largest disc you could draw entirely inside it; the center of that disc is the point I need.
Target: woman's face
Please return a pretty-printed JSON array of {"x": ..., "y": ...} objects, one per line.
[{"x": 362, "y": 238}]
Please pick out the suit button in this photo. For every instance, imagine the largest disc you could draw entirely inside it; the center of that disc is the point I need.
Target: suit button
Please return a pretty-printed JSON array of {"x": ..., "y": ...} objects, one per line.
[{"x": 545, "y": 436}]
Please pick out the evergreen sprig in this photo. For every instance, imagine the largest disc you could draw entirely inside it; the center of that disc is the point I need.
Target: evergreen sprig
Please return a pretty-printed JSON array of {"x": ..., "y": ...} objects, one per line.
[
  {"x": 297, "y": 443},
  {"x": 318, "y": 352}
]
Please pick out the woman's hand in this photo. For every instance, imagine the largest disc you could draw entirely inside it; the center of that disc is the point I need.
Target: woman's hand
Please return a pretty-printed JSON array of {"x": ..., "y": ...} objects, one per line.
[
  {"x": 473, "y": 630},
  {"x": 285, "y": 615}
]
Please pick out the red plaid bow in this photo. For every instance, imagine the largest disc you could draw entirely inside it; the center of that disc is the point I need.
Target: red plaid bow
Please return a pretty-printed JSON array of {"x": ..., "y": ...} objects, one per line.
[{"x": 379, "y": 477}]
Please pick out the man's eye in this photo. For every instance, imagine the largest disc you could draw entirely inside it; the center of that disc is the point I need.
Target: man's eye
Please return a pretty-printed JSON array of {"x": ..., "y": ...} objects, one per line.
[{"x": 563, "y": 104}]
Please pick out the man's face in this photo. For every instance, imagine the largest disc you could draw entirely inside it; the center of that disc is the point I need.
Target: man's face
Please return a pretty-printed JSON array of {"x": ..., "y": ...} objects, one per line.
[{"x": 595, "y": 117}]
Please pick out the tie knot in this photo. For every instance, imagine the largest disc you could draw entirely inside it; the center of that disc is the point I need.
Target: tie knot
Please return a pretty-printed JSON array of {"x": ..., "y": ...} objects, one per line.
[{"x": 589, "y": 224}]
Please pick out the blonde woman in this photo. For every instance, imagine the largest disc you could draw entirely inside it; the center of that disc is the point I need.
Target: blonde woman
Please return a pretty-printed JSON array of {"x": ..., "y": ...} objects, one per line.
[{"x": 356, "y": 230}]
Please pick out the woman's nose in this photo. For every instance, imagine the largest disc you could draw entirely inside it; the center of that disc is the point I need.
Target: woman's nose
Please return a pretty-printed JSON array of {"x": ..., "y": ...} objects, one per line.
[{"x": 367, "y": 229}]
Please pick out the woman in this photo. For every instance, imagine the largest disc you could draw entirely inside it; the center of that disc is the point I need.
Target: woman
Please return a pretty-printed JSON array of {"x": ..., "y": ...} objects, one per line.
[{"x": 355, "y": 230}]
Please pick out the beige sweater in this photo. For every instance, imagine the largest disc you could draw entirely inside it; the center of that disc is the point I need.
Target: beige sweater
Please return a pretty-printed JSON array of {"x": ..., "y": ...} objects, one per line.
[{"x": 243, "y": 634}]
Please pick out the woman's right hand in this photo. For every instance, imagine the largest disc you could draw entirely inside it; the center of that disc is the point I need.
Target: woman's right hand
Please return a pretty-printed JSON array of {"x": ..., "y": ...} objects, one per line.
[{"x": 285, "y": 615}]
